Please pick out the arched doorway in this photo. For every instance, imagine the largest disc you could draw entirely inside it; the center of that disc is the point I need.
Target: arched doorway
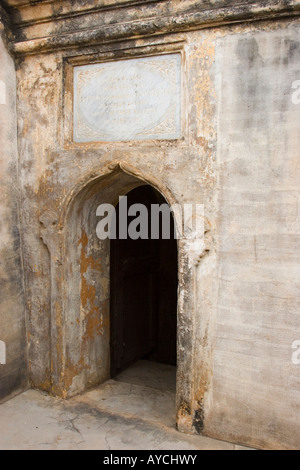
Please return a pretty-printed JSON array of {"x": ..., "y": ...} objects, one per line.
[
  {"x": 80, "y": 289},
  {"x": 143, "y": 286}
]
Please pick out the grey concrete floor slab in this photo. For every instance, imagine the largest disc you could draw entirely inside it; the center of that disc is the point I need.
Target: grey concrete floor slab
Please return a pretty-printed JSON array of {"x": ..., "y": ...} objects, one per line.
[
  {"x": 150, "y": 374},
  {"x": 119, "y": 415}
]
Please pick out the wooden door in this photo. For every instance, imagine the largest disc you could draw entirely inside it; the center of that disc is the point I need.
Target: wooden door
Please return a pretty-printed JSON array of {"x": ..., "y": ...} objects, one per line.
[
  {"x": 143, "y": 295},
  {"x": 134, "y": 296}
]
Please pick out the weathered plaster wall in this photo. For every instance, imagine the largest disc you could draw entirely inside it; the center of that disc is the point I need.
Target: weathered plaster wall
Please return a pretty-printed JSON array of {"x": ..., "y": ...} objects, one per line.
[
  {"x": 255, "y": 384},
  {"x": 239, "y": 156},
  {"x": 52, "y": 169},
  {"x": 13, "y": 374}
]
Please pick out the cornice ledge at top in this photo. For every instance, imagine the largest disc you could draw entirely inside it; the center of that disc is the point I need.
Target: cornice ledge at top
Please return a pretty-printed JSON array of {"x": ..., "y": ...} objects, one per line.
[
  {"x": 5, "y": 30},
  {"x": 40, "y": 11},
  {"x": 160, "y": 25}
]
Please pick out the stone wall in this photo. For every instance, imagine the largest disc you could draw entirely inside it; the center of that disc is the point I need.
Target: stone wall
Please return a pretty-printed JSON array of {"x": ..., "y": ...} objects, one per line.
[
  {"x": 238, "y": 305},
  {"x": 13, "y": 374},
  {"x": 255, "y": 382}
]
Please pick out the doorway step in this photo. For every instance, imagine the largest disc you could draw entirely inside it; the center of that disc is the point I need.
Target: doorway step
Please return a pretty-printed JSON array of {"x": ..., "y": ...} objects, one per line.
[{"x": 146, "y": 390}]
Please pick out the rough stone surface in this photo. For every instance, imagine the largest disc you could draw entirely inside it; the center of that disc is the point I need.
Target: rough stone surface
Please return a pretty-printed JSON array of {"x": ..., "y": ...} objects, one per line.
[
  {"x": 238, "y": 298},
  {"x": 258, "y": 237},
  {"x": 45, "y": 26},
  {"x": 13, "y": 374}
]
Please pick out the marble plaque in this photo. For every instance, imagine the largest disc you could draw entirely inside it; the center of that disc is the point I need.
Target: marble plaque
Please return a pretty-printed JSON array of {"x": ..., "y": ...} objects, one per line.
[{"x": 136, "y": 99}]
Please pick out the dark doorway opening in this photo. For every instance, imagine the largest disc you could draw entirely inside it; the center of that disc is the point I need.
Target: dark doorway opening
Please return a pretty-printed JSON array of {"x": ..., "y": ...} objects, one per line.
[{"x": 143, "y": 292}]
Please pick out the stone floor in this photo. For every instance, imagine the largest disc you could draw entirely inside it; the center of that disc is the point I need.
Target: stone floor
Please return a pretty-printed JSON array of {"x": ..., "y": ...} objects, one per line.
[{"x": 134, "y": 411}]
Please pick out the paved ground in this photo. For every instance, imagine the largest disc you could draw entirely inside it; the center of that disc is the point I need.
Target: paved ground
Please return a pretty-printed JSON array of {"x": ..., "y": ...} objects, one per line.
[{"x": 133, "y": 411}]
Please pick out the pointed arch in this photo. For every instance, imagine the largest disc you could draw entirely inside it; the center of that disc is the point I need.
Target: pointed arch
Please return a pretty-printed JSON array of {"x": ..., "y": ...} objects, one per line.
[
  {"x": 80, "y": 288},
  {"x": 95, "y": 177}
]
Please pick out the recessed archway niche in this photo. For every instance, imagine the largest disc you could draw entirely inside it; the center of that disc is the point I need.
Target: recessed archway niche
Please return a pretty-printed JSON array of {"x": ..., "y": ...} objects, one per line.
[{"x": 80, "y": 289}]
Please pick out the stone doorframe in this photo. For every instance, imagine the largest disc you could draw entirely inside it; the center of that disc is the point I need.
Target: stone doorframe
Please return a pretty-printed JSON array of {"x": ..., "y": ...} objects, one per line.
[{"x": 80, "y": 264}]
